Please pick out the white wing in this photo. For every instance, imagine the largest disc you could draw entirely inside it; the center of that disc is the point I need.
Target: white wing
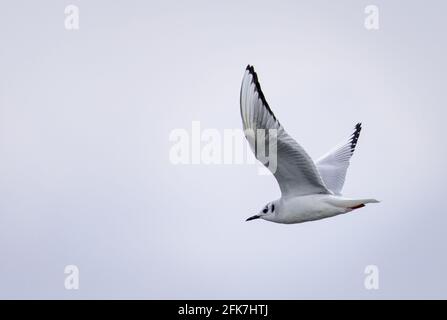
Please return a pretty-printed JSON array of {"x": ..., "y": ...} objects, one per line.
[
  {"x": 333, "y": 165},
  {"x": 295, "y": 171}
]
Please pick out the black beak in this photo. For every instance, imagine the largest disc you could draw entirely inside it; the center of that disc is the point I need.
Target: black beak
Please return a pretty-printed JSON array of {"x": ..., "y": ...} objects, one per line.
[{"x": 253, "y": 217}]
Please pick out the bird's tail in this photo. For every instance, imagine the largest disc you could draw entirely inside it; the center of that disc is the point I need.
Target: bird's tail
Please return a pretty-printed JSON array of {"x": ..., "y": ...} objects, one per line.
[{"x": 352, "y": 203}]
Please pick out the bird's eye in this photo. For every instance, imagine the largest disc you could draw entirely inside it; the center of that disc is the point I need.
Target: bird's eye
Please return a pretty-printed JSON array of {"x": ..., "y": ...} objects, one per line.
[{"x": 265, "y": 210}]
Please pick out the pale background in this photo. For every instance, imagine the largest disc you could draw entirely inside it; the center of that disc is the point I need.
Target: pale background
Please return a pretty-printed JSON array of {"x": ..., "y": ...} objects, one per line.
[{"x": 85, "y": 118}]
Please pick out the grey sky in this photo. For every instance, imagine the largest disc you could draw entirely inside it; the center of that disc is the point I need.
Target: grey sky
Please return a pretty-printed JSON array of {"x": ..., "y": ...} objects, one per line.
[{"x": 85, "y": 118}]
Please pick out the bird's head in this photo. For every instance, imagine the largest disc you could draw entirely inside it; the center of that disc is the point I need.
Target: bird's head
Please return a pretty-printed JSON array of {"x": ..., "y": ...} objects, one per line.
[{"x": 267, "y": 212}]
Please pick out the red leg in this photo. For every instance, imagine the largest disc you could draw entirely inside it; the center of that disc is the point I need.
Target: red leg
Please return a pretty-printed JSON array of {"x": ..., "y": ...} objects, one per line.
[{"x": 357, "y": 207}]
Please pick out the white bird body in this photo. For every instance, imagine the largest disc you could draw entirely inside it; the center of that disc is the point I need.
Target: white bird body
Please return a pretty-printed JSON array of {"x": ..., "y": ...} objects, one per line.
[
  {"x": 312, "y": 207},
  {"x": 309, "y": 191}
]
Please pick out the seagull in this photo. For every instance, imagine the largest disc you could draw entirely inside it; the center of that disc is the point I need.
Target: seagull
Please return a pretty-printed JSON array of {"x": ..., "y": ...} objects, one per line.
[{"x": 309, "y": 191}]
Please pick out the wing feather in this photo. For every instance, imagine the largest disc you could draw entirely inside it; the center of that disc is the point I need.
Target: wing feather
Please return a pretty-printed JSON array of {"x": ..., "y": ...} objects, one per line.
[
  {"x": 295, "y": 171},
  {"x": 334, "y": 165}
]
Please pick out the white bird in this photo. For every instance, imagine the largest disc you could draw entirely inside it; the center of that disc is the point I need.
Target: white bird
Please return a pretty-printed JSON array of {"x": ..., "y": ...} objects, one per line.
[{"x": 309, "y": 191}]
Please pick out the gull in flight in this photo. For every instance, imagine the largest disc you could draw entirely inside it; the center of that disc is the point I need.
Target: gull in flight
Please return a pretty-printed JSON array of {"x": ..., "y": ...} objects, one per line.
[{"x": 309, "y": 191}]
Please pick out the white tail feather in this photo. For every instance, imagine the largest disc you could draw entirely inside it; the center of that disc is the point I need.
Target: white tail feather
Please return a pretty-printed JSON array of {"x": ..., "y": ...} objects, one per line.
[{"x": 350, "y": 203}]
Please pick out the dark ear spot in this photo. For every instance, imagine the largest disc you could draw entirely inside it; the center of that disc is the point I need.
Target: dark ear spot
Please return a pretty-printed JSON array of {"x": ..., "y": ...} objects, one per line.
[{"x": 273, "y": 207}]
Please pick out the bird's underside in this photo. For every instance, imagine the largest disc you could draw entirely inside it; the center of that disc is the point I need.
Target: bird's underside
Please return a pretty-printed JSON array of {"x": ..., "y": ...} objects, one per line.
[{"x": 309, "y": 190}]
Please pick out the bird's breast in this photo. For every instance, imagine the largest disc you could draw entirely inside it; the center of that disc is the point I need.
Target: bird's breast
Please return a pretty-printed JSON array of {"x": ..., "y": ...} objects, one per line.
[{"x": 305, "y": 208}]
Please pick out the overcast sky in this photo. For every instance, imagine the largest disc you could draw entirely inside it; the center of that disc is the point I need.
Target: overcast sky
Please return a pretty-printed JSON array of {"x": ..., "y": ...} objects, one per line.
[{"x": 85, "y": 173}]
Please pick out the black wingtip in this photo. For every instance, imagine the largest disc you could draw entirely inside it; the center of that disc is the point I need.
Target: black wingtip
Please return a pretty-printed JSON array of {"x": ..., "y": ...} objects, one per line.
[
  {"x": 355, "y": 136},
  {"x": 252, "y": 71}
]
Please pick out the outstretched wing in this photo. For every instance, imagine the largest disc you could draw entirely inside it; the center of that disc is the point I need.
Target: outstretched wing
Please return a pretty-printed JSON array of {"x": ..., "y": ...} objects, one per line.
[
  {"x": 333, "y": 165},
  {"x": 294, "y": 170}
]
